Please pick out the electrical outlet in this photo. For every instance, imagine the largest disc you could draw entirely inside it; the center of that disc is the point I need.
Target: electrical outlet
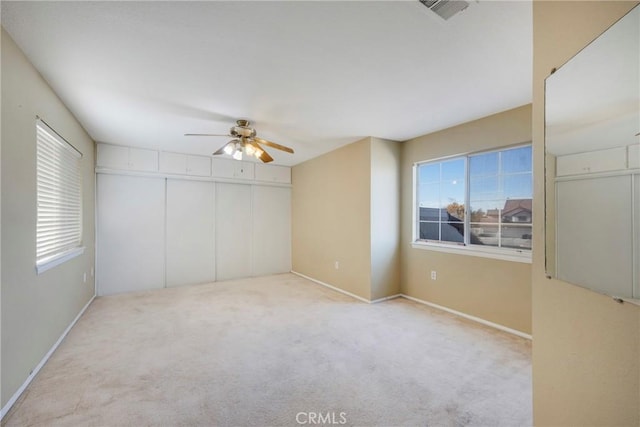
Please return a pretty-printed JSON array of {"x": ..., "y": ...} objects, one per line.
[
  {"x": 84, "y": 277},
  {"x": 337, "y": 265},
  {"x": 434, "y": 275}
]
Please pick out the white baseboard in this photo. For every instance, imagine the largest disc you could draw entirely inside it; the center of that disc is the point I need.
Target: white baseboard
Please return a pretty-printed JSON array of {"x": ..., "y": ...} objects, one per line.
[
  {"x": 430, "y": 304},
  {"x": 46, "y": 357},
  {"x": 342, "y": 291},
  {"x": 469, "y": 317},
  {"x": 375, "y": 301}
]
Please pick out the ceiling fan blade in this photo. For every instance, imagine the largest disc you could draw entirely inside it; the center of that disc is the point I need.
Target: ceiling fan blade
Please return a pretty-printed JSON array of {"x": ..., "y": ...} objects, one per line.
[
  {"x": 206, "y": 134},
  {"x": 274, "y": 145},
  {"x": 265, "y": 157},
  {"x": 221, "y": 149}
]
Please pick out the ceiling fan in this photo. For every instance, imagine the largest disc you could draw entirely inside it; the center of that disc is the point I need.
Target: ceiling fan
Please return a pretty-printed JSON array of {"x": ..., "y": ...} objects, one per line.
[{"x": 246, "y": 142}]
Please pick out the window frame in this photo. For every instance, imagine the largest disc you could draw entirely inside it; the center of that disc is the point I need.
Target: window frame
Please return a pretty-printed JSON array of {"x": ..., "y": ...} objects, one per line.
[
  {"x": 465, "y": 248},
  {"x": 57, "y": 144}
]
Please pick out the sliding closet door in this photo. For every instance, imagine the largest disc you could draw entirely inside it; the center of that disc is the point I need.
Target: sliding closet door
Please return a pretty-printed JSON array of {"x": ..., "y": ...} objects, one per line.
[
  {"x": 271, "y": 230},
  {"x": 233, "y": 231},
  {"x": 636, "y": 236},
  {"x": 595, "y": 210},
  {"x": 130, "y": 247},
  {"x": 190, "y": 232}
]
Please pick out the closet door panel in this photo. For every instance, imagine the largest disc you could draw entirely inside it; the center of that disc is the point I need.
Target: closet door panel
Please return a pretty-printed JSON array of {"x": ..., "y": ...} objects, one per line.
[
  {"x": 594, "y": 233},
  {"x": 190, "y": 232},
  {"x": 130, "y": 250},
  {"x": 112, "y": 156},
  {"x": 636, "y": 236},
  {"x": 233, "y": 231},
  {"x": 271, "y": 230}
]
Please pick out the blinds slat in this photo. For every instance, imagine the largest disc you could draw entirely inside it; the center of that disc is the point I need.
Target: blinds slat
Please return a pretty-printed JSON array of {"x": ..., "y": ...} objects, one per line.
[
  {"x": 59, "y": 194},
  {"x": 57, "y": 251},
  {"x": 59, "y": 241},
  {"x": 49, "y": 134},
  {"x": 51, "y": 175},
  {"x": 51, "y": 246}
]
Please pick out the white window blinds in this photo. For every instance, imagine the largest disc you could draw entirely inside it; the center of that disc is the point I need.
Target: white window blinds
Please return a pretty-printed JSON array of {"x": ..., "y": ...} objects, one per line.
[{"x": 59, "y": 196}]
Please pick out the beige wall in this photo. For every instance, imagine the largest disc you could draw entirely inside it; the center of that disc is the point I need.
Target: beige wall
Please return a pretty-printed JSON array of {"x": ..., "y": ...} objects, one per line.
[
  {"x": 338, "y": 197},
  {"x": 331, "y": 220},
  {"x": 494, "y": 290},
  {"x": 345, "y": 208},
  {"x": 586, "y": 351},
  {"x": 35, "y": 309},
  {"x": 385, "y": 218}
]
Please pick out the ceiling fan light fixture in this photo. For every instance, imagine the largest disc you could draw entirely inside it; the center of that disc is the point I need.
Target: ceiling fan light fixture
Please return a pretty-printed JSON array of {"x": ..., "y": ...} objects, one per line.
[
  {"x": 244, "y": 141},
  {"x": 231, "y": 147}
]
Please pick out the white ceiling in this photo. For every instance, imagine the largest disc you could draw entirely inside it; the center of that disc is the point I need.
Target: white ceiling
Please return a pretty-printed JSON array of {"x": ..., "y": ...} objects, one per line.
[{"x": 313, "y": 75}]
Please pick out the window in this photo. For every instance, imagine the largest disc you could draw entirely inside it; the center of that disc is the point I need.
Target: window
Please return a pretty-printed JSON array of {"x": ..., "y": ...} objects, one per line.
[
  {"x": 480, "y": 201},
  {"x": 59, "y": 199},
  {"x": 441, "y": 194}
]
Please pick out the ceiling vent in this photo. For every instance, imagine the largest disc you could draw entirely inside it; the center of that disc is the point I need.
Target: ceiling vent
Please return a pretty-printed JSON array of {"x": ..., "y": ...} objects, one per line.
[{"x": 445, "y": 9}]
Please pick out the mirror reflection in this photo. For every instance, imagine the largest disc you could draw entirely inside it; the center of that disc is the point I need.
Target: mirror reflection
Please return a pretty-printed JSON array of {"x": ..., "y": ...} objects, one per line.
[{"x": 592, "y": 111}]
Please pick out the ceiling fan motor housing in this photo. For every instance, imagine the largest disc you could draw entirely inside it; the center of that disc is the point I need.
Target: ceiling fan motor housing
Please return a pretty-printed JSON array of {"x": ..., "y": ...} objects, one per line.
[{"x": 243, "y": 130}]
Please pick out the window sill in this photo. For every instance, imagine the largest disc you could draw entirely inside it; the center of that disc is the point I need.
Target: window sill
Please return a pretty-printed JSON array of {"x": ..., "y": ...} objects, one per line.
[
  {"x": 501, "y": 254},
  {"x": 58, "y": 259}
]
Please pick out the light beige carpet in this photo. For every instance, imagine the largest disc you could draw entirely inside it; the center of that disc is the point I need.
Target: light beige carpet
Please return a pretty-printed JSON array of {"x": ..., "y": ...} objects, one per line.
[{"x": 274, "y": 351}]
